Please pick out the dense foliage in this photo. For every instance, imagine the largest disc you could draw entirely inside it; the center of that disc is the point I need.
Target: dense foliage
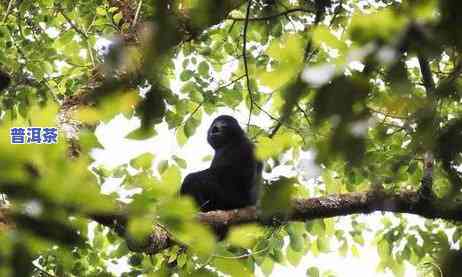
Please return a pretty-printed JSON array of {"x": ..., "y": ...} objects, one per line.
[{"x": 372, "y": 87}]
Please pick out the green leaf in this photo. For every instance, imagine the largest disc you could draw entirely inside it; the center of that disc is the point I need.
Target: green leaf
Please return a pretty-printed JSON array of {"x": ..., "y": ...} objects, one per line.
[
  {"x": 277, "y": 255},
  {"x": 140, "y": 227},
  {"x": 122, "y": 250},
  {"x": 66, "y": 38},
  {"x": 181, "y": 260},
  {"x": 190, "y": 127},
  {"x": 272, "y": 147},
  {"x": 322, "y": 34},
  {"x": 245, "y": 236},
  {"x": 276, "y": 198},
  {"x": 181, "y": 137},
  {"x": 323, "y": 244},
  {"x": 312, "y": 272},
  {"x": 232, "y": 98},
  {"x": 143, "y": 162},
  {"x": 196, "y": 96},
  {"x": 186, "y": 75},
  {"x": 294, "y": 257},
  {"x": 162, "y": 166},
  {"x": 287, "y": 52},
  {"x": 117, "y": 17},
  {"x": 180, "y": 162},
  {"x": 203, "y": 69},
  {"x": 383, "y": 25},
  {"x": 141, "y": 133},
  {"x": 229, "y": 48},
  {"x": 296, "y": 233},
  {"x": 101, "y": 11},
  {"x": 343, "y": 250},
  {"x": 296, "y": 243},
  {"x": 267, "y": 266},
  {"x": 171, "y": 180}
]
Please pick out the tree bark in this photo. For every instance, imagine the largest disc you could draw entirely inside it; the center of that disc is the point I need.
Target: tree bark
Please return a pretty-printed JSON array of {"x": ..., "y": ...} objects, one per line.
[{"x": 408, "y": 202}]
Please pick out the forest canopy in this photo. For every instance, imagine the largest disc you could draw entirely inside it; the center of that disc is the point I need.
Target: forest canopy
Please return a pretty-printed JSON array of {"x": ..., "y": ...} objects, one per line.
[{"x": 357, "y": 102}]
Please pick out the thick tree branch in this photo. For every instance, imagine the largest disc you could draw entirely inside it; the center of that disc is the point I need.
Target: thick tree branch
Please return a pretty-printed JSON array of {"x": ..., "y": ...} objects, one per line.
[
  {"x": 425, "y": 190},
  {"x": 308, "y": 209},
  {"x": 426, "y": 72}
]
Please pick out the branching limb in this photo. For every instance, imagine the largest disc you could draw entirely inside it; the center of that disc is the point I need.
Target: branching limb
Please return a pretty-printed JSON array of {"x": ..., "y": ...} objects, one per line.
[{"x": 308, "y": 209}]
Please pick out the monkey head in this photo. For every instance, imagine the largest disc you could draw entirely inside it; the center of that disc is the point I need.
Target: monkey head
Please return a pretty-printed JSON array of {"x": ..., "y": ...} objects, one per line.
[{"x": 224, "y": 130}]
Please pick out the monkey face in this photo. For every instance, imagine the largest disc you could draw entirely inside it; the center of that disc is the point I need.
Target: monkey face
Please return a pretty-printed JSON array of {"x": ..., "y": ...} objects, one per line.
[{"x": 224, "y": 129}]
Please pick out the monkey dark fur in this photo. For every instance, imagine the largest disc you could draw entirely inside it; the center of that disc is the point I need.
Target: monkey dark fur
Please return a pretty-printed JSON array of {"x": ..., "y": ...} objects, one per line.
[{"x": 231, "y": 181}]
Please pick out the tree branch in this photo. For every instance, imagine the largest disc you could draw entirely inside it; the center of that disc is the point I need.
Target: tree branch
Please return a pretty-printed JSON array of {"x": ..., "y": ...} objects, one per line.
[
  {"x": 427, "y": 77},
  {"x": 73, "y": 26},
  {"x": 308, "y": 209},
  {"x": 425, "y": 189},
  {"x": 284, "y": 13},
  {"x": 244, "y": 57}
]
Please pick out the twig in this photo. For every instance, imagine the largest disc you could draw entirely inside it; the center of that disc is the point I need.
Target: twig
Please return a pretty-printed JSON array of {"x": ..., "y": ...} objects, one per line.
[
  {"x": 231, "y": 27},
  {"x": 194, "y": 112},
  {"x": 336, "y": 13},
  {"x": 244, "y": 56},
  {"x": 230, "y": 83},
  {"x": 276, "y": 129},
  {"x": 386, "y": 114},
  {"x": 91, "y": 24},
  {"x": 8, "y": 10},
  {"x": 73, "y": 26},
  {"x": 305, "y": 114},
  {"x": 218, "y": 89},
  {"x": 243, "y": 256},
  {"x": 287, "y": 16},
  {"x": 284, "y": 13},
  {"x": 137, "y": 13},
  {"x": 39, "y": 268},
  {"x": 308, "y": 54},
  {"x": 90, "y": 53}
]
